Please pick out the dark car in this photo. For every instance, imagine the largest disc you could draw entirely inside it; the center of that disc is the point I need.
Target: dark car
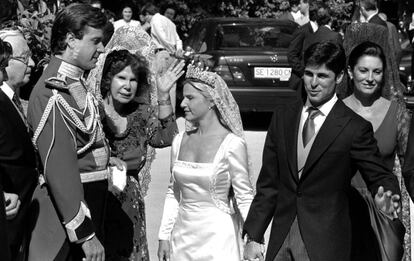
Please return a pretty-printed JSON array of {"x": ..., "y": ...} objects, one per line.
[{"x": 251, "y": 56}]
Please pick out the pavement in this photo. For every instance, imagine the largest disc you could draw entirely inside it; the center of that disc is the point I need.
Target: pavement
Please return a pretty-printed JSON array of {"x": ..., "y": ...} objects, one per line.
[{"x": 160, "y": 174}]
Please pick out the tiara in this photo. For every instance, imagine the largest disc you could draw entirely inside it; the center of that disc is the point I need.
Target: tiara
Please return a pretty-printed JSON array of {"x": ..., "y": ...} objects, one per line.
[{"x": 197, "y": 73}]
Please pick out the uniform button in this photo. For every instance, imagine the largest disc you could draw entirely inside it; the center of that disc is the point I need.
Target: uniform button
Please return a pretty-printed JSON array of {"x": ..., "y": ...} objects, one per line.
[{"x": 299, "y": 194}]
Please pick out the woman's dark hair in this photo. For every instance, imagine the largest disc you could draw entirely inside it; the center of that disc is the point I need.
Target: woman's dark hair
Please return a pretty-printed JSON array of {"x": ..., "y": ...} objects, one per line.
[
  {"x": 366, "y": 48},
  {"x": 73, "y": 19},
  {"x": 117, "y": 61},
  {"x": 6, "y": 52},
  {"x": 326, "y": 53}
]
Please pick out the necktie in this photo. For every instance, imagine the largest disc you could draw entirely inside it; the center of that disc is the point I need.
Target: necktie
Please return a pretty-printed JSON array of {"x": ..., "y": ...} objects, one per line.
[
  {"x": 309, "y": 127},
  {"x": 19, "y": 106}
]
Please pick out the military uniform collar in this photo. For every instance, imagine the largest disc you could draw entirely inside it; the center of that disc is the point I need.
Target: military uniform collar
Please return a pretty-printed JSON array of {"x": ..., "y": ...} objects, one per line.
[{"x": 70, "y": 71}]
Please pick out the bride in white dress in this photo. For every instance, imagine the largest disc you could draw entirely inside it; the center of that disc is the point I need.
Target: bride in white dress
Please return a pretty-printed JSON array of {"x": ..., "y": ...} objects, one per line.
[{"x": 209, "y": 172}]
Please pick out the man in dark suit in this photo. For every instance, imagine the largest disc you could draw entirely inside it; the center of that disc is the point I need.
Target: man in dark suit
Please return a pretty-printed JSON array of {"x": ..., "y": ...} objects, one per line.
[
  {"x": 5, "y": 53},
  {"x": 295, "y": 51},
  {"x": 324, "y": 32},
  {"x": 311, "y": 153},
  {"x": 369, "y": 11},
  {"x": 17, "y": 155}
]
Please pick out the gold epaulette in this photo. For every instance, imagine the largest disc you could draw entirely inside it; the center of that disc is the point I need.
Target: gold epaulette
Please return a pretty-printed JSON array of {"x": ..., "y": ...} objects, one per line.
[{"x": 56, "y": 83}]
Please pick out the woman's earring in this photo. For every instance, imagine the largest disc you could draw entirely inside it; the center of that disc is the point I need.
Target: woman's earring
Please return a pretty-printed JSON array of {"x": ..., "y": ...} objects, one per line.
[{"x": 210, "y": 107}]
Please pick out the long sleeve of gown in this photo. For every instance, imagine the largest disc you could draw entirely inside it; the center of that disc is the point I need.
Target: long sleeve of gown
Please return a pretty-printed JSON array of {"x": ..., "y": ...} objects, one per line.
[
  {"x": 170, "y": 211},
  {"x": 161, "y": 131},
  {"x": 172, "y": 200},
  {"x": 239, "y": 174}
]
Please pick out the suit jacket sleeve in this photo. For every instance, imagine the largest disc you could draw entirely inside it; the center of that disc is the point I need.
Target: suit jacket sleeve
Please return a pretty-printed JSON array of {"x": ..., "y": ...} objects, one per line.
[
  {"x": 365, "y": 154},
  {"x": 408, "y": 167},
  {"x": 264, "y": 203},
  {"x": 295, "y": 51},
  {"x": 4, "y": 245},
  {"x": 57, "y": 149}
]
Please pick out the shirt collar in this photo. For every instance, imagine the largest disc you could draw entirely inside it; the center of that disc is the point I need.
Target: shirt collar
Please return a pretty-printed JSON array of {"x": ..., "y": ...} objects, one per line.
[
  {"x": 70, "y": 71},
  {"x": 314, "y": 26},
  {"x": 370, "y": 16},
  {"x": 324, "y": 108},
  {"x": 7, "y": 90}
]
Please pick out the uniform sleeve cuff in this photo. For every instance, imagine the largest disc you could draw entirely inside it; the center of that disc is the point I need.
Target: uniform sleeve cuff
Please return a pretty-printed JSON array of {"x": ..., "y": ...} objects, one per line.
[
  {"x": 167, "y": 120},
  {"x": 80, "y": 228}
]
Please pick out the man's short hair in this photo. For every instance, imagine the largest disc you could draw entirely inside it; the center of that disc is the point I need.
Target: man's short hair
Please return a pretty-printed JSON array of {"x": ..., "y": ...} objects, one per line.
[
  {"x": 149, "y": 9},
  {"x": 4, "y": 33},
  {"x": 313, "y": 10},
  {"x": 330, "y": 54},
  {"x": 369, "y": 5},
  {"x": 73, "y": 19},
  {"x": 323, "y": 16},
  {"x": 96, "y": 2},
  {"x": 294, "y": 2}
]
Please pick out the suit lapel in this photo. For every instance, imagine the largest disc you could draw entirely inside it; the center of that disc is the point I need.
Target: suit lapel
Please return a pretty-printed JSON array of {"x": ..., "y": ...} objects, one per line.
[
  {"x": 10, "y": 111},
  {"x": 331, "y": 128},
  {"x": 291, "y": 124}
]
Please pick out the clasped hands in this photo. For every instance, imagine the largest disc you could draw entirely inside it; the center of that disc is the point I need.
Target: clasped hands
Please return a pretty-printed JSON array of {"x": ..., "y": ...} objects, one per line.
[
  {"x": 387, "y": 203},
  {"x": 254, "y": 251}
]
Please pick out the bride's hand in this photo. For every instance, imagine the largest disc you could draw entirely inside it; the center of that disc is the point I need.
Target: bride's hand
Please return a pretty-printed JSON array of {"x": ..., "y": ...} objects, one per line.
[
  {"x": 166, "y": 80},
  {"x": 164, "y": 250}
]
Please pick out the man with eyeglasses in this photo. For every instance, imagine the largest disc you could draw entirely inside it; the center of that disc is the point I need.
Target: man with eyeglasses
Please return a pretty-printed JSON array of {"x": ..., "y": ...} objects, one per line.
[
  {"x": 18, "y": 170},
  {"x": 5, "y": 53}
]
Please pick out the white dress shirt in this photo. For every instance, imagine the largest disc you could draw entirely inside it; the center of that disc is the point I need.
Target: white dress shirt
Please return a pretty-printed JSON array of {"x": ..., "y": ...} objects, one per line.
[
  {"x": 314, "y": 26},
  {"x": 320, "y": 118},
  {"x": 164, "y": 33},
  {"x": 370, "y": 16}
]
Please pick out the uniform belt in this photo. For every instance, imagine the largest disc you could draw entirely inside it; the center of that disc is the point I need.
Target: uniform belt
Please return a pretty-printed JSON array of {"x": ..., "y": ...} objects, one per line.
[
  {"x": 86, "y": 177},
  {"x": 92, "y": 176},
  {"x": 159, "y": 50}
]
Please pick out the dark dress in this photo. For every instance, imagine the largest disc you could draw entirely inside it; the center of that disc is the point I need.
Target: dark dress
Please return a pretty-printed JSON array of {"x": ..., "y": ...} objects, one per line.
[
  {"x": 391, "y": 136},
  {"x": 125, "y": 229}
]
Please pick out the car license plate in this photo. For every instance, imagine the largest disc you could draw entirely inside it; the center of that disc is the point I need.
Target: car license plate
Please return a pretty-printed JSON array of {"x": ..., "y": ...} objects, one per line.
[{"x": 272, "y": 73}]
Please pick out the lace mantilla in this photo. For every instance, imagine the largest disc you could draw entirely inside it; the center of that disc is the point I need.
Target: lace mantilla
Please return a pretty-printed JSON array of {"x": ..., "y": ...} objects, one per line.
[
  {"x": 223, "y": 99},
  {"x": 135, "y": 40}
]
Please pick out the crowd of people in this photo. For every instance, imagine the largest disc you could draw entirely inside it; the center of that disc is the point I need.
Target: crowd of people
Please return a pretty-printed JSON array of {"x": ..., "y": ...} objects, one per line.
[{"x": 338, "y": 163}]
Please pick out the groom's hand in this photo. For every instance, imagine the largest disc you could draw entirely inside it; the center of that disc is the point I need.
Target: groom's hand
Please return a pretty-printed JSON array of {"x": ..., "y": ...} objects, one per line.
[
  {"x": 253, "y": 251},
  {"x": 388, "y": 203}
]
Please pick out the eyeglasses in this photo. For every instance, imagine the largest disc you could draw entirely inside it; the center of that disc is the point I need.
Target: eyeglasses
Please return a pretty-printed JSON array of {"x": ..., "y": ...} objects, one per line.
[{"x": 22, "y": 59}]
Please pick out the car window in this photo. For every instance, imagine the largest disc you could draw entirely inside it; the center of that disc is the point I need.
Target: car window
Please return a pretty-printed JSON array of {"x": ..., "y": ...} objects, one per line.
[
  {"x": 198, "y": 41},
  {"x": 253, "y": 35}
]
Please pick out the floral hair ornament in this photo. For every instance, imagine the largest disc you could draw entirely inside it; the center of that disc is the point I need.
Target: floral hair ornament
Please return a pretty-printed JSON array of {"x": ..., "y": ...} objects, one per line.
[{"x": 220, "y": 93}]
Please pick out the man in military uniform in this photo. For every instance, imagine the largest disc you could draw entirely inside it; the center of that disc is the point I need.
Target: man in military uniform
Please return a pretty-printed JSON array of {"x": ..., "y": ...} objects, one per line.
[{"x": 65, "y": 119}]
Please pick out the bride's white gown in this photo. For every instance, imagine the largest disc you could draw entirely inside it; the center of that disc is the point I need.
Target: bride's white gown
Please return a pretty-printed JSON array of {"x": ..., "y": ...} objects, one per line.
[{"x": 198, "y": 218}]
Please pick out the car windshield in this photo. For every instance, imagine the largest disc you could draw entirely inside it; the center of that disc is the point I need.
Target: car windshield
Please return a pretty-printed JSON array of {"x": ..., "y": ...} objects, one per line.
[{"x": 253, "y": 36}]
